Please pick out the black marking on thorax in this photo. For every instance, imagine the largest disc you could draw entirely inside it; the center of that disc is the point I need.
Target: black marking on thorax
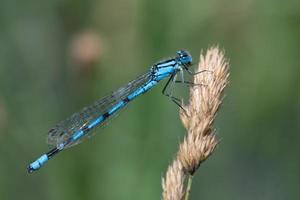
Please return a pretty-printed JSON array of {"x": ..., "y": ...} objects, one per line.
[{"x": 165, "y": 62}]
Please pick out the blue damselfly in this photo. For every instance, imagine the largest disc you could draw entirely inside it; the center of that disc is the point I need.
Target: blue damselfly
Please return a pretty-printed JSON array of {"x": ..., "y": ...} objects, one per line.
[{"x": 79, "y": 126}]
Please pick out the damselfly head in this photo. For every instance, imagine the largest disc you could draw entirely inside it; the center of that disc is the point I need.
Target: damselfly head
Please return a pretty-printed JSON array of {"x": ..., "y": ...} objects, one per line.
[{"x": 184, "y": 57}]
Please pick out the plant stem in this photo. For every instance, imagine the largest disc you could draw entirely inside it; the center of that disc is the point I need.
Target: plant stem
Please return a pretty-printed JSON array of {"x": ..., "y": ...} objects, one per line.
[{"x": 188, "y": 187}]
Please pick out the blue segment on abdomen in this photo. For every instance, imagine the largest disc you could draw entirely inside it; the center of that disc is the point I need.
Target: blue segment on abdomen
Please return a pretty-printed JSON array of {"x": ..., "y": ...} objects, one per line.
[
  {"x": 142, "y": 89},
  {"x": 116, "y": 107},
  {"x": 80, "y": 133},
  {"x": 77, "y": 135},
  {"x": 150, "y": 85},
  {"x": 136, "y": 93},
  {"x": 39, "y": 162},
  {"x": 96, "y": 122}
]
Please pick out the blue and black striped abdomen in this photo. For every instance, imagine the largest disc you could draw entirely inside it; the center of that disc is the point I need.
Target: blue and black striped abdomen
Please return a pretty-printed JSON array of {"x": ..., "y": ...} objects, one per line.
[{"x": 70, "y": 131}]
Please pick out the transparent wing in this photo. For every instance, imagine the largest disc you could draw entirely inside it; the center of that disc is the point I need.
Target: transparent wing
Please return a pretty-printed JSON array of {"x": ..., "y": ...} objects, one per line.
[{"x": 65, "y": 129}]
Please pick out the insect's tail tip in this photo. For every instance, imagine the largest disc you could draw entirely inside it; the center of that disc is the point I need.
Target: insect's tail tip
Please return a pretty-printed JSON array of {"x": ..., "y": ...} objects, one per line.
[{"x": 30, "y": 169}]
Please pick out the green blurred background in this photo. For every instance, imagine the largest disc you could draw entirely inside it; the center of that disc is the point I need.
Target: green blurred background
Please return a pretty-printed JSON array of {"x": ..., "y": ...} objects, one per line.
[{"x": 58, "y": 56}]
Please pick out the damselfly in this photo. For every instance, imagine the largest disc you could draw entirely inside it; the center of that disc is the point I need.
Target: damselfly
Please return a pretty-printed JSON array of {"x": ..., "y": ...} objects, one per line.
[{"x": 79, "y": 126}]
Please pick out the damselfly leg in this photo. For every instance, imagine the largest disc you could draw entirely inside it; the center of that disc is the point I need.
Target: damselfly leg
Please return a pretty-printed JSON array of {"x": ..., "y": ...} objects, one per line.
[
  {"x": 170, "y": 83},
  {"x": 195, "y": 73},
  {"x": 169, "y": 87}
]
